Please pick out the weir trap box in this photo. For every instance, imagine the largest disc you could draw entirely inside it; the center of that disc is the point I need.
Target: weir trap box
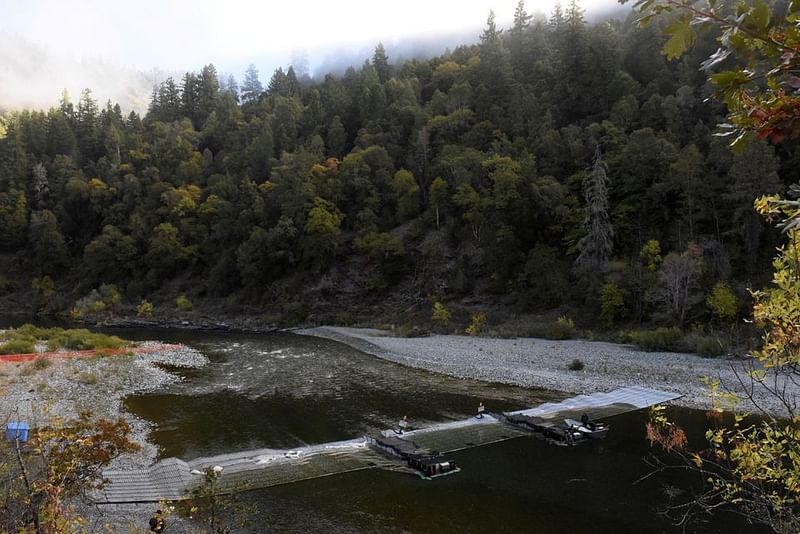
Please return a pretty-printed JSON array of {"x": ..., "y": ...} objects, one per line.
[{"x": 17, "y": 430}]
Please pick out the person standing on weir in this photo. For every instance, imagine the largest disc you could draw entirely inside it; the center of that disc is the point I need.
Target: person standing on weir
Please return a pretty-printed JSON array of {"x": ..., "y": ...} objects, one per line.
[
  {"x": 480, "y": 410},
  {"x": 403, "y": 424}
]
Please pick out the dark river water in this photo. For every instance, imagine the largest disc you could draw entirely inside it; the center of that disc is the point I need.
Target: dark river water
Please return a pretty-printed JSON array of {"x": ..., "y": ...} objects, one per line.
[{"x": 284, "y": 391}]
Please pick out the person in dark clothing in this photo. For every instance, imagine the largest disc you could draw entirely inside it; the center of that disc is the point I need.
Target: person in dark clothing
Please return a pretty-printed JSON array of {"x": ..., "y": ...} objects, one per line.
[
  {"x": 157, "y": 523},
  {"x": 586, "y": 422}
]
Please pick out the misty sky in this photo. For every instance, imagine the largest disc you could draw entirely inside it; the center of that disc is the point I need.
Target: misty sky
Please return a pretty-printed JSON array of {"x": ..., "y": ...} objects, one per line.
[{"x": 177, "y": 35}]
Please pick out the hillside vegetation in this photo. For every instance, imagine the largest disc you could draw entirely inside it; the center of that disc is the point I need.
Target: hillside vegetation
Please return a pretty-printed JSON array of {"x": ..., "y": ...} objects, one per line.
[{"x": 555, "y": 165}]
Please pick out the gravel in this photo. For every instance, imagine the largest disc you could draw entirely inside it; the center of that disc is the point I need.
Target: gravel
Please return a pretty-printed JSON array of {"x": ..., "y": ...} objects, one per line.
[
  {"x": 541, "y": 363},
  {"x": 66, "y": 388}
]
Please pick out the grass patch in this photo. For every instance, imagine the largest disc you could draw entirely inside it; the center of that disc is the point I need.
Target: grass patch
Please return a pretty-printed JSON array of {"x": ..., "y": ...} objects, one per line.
[
  {"x": 82, "y": 339},
  {"x": 18, "y": 346},
  {"x": 660, "y": 339},
  {"x": 59, "y": 338},
  {"x": 41, "y": 363}
]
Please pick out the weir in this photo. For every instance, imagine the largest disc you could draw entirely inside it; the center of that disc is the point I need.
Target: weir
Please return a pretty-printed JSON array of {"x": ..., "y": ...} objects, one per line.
[{"x": 173, "y": 478}]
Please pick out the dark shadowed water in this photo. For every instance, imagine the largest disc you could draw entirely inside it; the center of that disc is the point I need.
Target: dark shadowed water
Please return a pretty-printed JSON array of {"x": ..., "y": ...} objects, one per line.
[{"x": 283, "y": 391}]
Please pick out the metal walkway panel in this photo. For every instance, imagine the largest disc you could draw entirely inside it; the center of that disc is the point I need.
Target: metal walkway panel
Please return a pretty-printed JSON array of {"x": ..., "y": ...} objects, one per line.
[
  {"x": 457, "y": 435},
  {"x": 173, "y": 478},
  {"x": 601, "y": 404},
  {"x": 165, "y": 479}
]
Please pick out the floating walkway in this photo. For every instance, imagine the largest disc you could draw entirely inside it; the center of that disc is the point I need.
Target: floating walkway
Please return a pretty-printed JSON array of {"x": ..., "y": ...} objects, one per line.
[
  {"x": 601, "y": 405},
  {"x": 173, "y": 478}
]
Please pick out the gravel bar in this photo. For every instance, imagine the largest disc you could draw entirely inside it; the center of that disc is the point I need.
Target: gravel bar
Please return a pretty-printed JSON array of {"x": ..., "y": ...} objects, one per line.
[
  {"x": 542, "y": 363},
  {"x": 68, "y": 387}
]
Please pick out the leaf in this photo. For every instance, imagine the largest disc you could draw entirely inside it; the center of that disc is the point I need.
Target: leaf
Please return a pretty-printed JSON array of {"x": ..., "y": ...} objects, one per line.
[
  {"x": 728, "y": 78},
  {"x": 759, "y": 16},
  {"x": 681, "y": 37}
]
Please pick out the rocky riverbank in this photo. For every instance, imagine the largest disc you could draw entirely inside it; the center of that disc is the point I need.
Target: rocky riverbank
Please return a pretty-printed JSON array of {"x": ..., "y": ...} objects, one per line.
[
  {"x": 541, "y": 363},
  {"x": 65, "y": 388},
  {"x": 35, "y": 393}
]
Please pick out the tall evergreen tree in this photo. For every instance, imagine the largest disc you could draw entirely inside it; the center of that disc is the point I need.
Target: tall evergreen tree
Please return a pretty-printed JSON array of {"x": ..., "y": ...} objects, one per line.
[
  {"x": 596, "y": 246},
  {"x": 251, "y": 86},
  {"x": 292, "y": 83},
  {"x": 381, "y": 63},
  {"x": 190, "y": 98},
  {"x": 207, "y": 93},
  {"x": 48, "y": 253},
  {"x": 169, "y": 101},
  {"x": 230, "y": 85},
  {"x": 278, "y": 84},
  {"x": 518, "y": 35},
  {"x": 495, "y": 70}
]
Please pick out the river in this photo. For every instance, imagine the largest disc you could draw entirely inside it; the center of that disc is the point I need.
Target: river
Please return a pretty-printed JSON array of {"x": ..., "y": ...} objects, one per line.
[{"x": 284, "y": 391}]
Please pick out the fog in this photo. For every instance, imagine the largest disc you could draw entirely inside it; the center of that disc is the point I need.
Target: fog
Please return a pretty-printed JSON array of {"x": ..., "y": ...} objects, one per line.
[
  {"x": 48, "y": 46},
  {"x": 33, "y": 77}
]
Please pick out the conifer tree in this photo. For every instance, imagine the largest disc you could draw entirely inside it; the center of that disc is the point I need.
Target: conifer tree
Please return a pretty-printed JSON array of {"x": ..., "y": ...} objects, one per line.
[
  {"x": 251, "y": 87},
  {"x": 596, "y": 246},
  {"x": 381, "y": 63}
]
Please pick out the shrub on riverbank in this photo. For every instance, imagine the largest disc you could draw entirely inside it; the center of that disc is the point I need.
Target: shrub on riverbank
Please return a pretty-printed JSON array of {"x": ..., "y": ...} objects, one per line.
[
  {"x": 183, "y": 303},
  {"x": 561, "y": 328},
  {"x": 673, "y": 340},
  {"x": 18, "y": 346},
  {"x": 476, "y": 326},
  {"x": 145, "y": 309},
  {"x": 82, "y": 339},
  {"x": 576, "y": 365},
  {"x": 667, "y": 339},
  {"x": 23, "y": 340}
]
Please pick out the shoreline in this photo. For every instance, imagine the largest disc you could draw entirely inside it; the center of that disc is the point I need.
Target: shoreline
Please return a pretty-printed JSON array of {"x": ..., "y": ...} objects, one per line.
[
  {"x": 543, "y": 364},
  {"x": 67, "y": 387}
]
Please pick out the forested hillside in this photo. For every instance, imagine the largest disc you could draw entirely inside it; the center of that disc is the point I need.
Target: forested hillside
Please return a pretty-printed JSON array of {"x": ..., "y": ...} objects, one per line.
[{"x": 554, "y": 165}]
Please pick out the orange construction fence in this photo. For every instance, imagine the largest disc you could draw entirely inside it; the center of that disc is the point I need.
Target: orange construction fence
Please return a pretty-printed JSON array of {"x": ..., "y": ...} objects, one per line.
[{"x": 86, "y": 353}]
